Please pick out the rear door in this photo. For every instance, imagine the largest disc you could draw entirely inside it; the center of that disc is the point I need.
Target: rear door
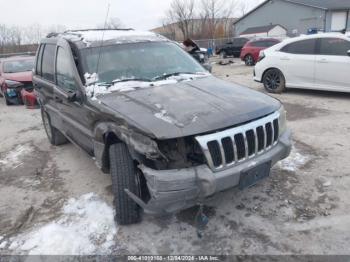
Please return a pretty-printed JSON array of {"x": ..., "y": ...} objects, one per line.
[
  {"x": 333, "y": 64},
  {"x": 297, "y": 61},
  {"x": 44, "y": 82},
  {"x": 70, "y": 101}
]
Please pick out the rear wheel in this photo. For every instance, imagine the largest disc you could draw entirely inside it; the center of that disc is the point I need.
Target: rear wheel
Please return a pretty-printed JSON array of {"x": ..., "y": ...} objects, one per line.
[
  {"x": 55, "y": 137},
  {"x": 249, "y": 60},
  {"x": 274, "y": 81},
  {"x": 124, "y": 175}
]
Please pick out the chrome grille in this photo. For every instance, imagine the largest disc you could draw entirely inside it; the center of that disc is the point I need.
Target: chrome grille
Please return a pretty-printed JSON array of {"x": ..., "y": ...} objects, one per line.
[{"x": 225, "y": 149}]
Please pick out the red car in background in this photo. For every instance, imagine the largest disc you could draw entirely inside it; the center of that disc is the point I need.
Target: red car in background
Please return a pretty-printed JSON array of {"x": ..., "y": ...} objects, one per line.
[
  {"x": 16, "y": 84},
  {"x": 251, "y": 50}
]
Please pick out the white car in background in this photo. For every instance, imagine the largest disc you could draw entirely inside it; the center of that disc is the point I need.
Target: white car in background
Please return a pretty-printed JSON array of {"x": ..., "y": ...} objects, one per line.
[{"x": 320, "y": 62}]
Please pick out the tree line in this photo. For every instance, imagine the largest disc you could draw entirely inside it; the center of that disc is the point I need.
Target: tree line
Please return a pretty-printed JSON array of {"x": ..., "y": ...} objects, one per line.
[{"x": 202, "y": 19}]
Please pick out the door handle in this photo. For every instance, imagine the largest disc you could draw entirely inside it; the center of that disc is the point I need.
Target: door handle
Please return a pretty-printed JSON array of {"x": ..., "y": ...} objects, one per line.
[
  {"x": 323, "y": 61},
  {"x": 285, "y": 58},
  {"x": 58, "y": 99}
]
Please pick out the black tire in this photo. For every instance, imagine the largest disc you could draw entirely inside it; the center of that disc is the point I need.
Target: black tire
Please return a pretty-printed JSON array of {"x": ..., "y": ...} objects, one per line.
[
  {"x": 124, "y": 176},
  {"x": 55, "y": 137},
  {"x": 274, "y": 81},
  {"x": 7, "y": 102},
  {"x": 223, "y": 55},
  {"x": 249, "y": 60}
]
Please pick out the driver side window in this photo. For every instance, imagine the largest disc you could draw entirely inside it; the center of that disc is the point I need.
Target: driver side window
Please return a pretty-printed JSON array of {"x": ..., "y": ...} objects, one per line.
[{"x": 64, "y": 71}]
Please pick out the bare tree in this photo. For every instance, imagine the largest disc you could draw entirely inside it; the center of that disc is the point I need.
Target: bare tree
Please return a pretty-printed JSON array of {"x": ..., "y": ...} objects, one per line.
[
  {"x": 112, "y": 23},
  {"x": 216, "y": 12},
  {"x": 182, "y": 13}
]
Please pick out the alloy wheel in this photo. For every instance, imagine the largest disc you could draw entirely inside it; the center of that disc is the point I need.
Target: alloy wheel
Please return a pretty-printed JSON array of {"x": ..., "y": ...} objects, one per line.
[{"x": 273, "y": 80}]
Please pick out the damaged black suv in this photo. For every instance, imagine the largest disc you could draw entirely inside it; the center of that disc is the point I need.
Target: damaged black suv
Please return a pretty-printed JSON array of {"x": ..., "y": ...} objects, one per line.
[{"x": 169, "y": 133}]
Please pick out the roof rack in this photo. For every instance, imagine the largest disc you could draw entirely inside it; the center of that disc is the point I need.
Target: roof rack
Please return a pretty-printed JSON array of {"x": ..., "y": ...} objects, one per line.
[
  {"x": 102, "y": 29},
  {"x": 50, "y": 35}
]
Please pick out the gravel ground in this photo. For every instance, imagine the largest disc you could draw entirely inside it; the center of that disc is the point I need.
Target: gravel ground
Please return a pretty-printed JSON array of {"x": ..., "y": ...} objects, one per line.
[{"x": 49, "y": 195}]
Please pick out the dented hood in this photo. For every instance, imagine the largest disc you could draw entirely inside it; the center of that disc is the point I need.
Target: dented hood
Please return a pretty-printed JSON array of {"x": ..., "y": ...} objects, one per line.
[{"x": 189, "y": 108}]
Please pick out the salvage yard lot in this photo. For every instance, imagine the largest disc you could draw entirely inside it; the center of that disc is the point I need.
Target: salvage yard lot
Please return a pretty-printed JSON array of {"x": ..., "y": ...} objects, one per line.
[{"x": 58, "y": 193}]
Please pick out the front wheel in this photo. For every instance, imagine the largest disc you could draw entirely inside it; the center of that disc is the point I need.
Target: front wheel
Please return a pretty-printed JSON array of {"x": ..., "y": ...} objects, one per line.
[
  {"x": 274, "y": 81},
  {"x": 124, "y": 176}
]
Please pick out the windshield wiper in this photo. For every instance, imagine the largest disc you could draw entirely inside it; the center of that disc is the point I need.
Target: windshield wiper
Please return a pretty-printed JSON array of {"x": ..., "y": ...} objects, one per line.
[
  {"x": 108, "y": 84},
  {"x": 165, "y": 76}
]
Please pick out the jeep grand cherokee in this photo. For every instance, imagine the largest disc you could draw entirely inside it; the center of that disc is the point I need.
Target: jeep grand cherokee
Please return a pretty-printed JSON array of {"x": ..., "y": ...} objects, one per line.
[{"x": 169, "y": 133}]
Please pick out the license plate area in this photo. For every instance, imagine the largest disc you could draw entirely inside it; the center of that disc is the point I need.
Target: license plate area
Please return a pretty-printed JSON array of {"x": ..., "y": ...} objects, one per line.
[{"x": 254, "y": 175}]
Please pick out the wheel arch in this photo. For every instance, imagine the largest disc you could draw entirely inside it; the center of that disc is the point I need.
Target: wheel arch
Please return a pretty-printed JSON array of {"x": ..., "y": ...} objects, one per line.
[
  {"x": 107, "y": 134},
  {"x": 270, "y": 68}
]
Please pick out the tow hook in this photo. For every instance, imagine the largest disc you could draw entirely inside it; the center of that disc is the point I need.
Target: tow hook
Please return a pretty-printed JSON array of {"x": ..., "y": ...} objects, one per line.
[{"x": 201, "y": 221}]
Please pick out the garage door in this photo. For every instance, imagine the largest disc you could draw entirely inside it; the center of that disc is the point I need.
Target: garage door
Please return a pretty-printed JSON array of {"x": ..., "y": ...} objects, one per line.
[{"x": 338, "y": 21}]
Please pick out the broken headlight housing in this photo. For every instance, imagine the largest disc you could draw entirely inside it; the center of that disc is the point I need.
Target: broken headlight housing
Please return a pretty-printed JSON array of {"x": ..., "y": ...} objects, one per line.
[{"x": 282, "y": 120}]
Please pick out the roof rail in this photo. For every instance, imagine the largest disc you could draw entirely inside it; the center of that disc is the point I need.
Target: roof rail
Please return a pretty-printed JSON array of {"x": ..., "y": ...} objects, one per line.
[
  {"x": 50, "y": 35},
  {"x": 96, "y": 29}
]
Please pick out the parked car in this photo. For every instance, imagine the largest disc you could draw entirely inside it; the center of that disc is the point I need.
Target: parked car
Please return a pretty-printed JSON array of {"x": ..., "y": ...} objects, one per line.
[
  {"x": 200, "y": 54},
  {"x": 251, "y": 50},
  {"x": 16, "y": 80},
  {"x": 319, "y": 62},
  {"x": 169, "y": 133},
  {"x": 233, "y": 48}
]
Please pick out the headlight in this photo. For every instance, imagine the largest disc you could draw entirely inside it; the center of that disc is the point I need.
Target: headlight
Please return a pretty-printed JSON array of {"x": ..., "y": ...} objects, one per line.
[
  {"x": 261, "y": 56},
  {"x": 13, "y": 84},
  {"x": 282, "y": 120}
]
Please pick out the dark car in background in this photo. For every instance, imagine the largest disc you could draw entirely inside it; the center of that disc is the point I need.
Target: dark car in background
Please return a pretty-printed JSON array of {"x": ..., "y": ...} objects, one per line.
[
  {"x": 232, "y": 48},
  {"x": 251, "y": 50},
  {"x": 16, "y": 85}
]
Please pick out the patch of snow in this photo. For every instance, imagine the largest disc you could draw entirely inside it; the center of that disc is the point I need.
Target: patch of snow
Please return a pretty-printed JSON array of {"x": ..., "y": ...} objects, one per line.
[
  {"x": 13, "y": 158},
  {"x": 294, "y": 162},
  {"x": 93, "y": 89},
  {"x": 327, "y": 184},
  {"x": 118, "y": 35},
  {"x": 91, "y": 78},
  {"x": 1, "y": 238},
  {"x": 194, "y": 119},
  {"x": 3, "y": 244},
  {"x": 86, "y": 227}
]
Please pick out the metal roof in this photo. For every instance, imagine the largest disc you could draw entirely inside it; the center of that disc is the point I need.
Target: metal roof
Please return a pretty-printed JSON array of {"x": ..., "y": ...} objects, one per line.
[
  {"x": 259, "y": 29},
  {"x": 324, "y": 4},
  {"x": 320, "y": 4}
]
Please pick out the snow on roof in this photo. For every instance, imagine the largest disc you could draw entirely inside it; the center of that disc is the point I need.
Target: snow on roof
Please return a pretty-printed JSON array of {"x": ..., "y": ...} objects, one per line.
[{"x": 89, "y": 36}]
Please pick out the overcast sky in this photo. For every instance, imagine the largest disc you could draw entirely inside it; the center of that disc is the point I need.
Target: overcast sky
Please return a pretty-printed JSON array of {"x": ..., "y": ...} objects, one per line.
[{"x": 138, "y": 14}]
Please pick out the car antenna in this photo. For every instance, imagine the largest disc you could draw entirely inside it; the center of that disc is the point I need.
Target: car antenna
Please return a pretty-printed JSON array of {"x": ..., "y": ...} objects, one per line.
[{"x": 102, "y": 41}]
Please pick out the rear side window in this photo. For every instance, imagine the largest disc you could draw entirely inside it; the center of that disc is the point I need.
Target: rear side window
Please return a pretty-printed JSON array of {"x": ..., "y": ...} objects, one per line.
[
  {"x": 259, "y": 44},
  {"x": 39, "y": 60},
  {"x": 270, "y": 43},
  {"x": 48, "y": 62},
  {"x": 304, "y": 47},
  {"x": 334, "y": 46}
]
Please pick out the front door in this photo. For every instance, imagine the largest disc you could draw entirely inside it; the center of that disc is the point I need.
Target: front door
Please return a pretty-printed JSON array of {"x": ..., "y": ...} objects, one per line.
[
  {"x": 333, "y": 64},
  {"x": 73, "y": 111}
]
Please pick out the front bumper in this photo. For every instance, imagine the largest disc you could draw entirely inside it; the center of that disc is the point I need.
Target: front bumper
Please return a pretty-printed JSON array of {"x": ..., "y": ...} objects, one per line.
[{"x": 174, "y": 190}]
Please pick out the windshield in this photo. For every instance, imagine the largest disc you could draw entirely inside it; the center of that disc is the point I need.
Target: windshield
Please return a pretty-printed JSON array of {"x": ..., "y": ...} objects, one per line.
[
  {"x": 139, "y": 61},
  {"x": 19, "y": 66}
]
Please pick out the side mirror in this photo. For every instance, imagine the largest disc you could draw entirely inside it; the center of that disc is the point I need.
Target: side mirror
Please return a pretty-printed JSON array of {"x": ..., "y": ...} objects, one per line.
[
  {"x": 72, "y": 97},
  {"x": 348, "y": 52}
]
